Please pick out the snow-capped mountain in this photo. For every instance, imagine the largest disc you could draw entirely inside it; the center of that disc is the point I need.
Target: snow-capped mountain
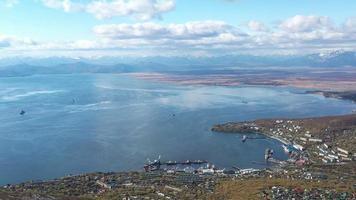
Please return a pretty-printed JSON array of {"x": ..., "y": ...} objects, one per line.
[
  {"x": 52, "y": 65},
  {"x": 334, "y": 58}
]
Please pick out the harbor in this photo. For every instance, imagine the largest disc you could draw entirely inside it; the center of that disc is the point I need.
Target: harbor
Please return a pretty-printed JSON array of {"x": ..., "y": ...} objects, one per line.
[{"x": 311, "y": 140}]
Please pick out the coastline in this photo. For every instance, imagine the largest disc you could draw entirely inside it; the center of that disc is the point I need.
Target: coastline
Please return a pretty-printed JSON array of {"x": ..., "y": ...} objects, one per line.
[
  {"x": 250, "y": 131},
  {"x": 210, "y": 183},
  {"x": 338, "y": 132},
  {"x": 344, "y": 95},
  {"x": 285, "y": 142}
]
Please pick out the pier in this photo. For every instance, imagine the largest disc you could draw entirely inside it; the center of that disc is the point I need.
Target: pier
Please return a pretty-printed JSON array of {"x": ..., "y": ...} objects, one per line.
[
  {"x": 187, "y": 162},
  {"x": 156, "y": 165}
]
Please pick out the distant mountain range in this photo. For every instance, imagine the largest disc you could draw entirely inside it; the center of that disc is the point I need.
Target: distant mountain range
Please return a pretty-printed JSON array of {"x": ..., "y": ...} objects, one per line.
[{"x": 23, "y": 66}]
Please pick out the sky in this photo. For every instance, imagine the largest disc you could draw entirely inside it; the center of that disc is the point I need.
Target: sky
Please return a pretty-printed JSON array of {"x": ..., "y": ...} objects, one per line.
[{"x": 175, "y": 27}]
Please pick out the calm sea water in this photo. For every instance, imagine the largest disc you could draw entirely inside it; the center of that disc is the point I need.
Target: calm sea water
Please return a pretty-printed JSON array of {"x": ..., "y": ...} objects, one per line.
[{"x": 83, "y": 123}]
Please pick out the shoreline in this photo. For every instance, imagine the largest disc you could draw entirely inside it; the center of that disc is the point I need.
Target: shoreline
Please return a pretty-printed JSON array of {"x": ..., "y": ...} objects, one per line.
[
  {"x": 185, "y": 185},
  {"x": 338, "y": 132},
  {"x": 285, "y": 142},
  {"x": 343, "y": 95}
]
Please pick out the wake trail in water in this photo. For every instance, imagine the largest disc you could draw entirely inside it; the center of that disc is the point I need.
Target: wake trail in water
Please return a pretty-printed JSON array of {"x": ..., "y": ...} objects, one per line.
[{"x": 16, "y": 97}]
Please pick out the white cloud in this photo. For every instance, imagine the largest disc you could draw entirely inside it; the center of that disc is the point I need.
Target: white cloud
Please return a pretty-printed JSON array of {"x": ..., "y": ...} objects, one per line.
[
  {"x": 66, "y": 5},
  {"x": 300, "y": 23},
  {"x": 190, "y": 30},
  {"x": 101, "y": 9},
  {"x": 11, "y": 41},
  {"x": 350, "y": 25},
  {"x": 141, "y": 9},
  {"x": 296, "y": 34},
  {"x": 257, "y": 26}
]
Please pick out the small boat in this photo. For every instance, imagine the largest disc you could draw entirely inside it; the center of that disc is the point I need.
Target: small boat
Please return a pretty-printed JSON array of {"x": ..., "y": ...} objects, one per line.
[
  {"x": 149, "y": 167},
  {"x": 199, "y": 161},
  {"x": 286, "y": 149},
  {"x": 244, "y": 138},
  {"x": 153, "y": 165},
  {"x": 22, "y": 112},
  {"x": 171, "y": 163},
  {"x": 268, "y": 154},
  {"x": 187, "y": 162}
]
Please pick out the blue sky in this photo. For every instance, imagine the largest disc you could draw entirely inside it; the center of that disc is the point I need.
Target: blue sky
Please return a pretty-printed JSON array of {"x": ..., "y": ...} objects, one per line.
[{"x": 44, "y": 25}]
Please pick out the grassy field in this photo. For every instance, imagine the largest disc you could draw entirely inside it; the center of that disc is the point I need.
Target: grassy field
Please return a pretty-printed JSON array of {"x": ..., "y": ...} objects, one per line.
[{"x": 251, "y": 189}]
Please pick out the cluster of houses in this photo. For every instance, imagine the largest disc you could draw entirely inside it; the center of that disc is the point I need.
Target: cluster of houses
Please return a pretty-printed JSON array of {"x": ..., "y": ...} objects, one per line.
[
  {"x": 284, "y": 131},
  {"x": 159, "y": 184},
  {"x": 329, "y": 154},
  {"x": 297, "y": 139},
  {"x": 281, "y": 193},
  {"x": 309, "y": 138},
  {"x": 287, "y": 131}
]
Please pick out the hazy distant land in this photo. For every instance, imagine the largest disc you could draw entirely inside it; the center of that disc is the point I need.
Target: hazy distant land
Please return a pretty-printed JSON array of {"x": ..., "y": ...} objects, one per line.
[
  {"x": 331, "y": 82},
  {"x": 336, "y": 79}
]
